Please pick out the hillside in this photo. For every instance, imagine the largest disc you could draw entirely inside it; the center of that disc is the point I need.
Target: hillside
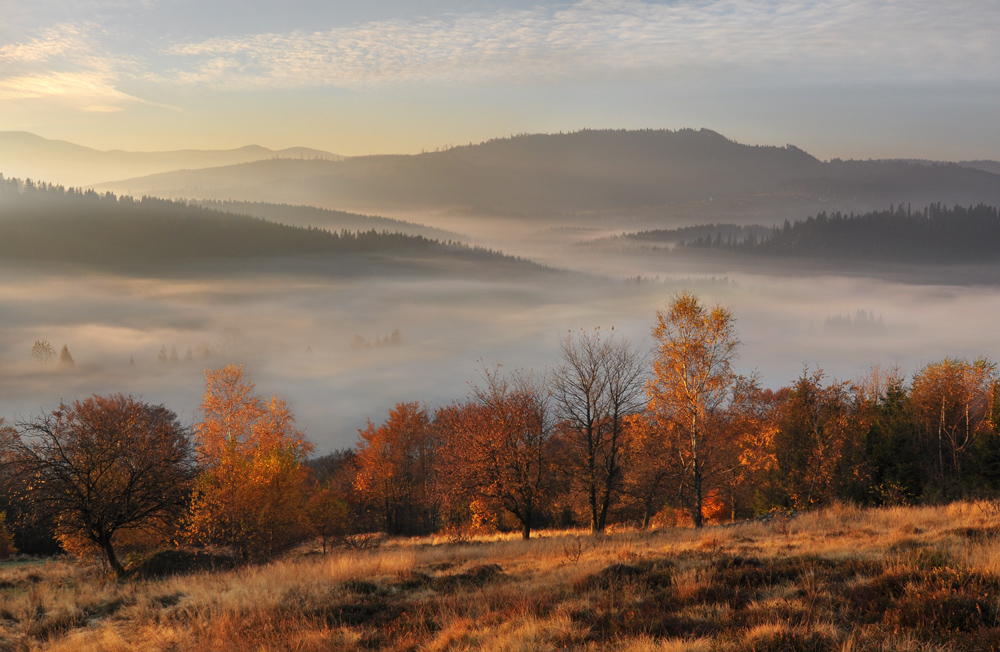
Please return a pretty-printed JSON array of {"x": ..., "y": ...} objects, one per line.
[
  {"x": 26, "y": 155},
  {"x": 660, "y": 174},
  {"x": 934, "y": 235},
  {"x": 840, "y": 578},
  {"x": 49, "y": 224}
]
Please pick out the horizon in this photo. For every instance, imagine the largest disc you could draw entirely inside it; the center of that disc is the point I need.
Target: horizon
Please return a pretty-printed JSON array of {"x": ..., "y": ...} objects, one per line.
[{"x": 255, "y": 145}]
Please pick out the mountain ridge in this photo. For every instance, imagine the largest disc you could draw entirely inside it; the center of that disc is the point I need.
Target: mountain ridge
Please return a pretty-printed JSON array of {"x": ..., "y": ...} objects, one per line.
[
  {"x": 595, "y": 172},
  {"x": 27, "y": 155}
]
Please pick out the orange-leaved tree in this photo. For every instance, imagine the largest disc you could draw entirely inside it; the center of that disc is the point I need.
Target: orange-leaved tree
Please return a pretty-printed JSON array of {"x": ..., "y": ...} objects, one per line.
[
  {"x": 749, "y": 428},
  {"x": 395, "y": 470},
  {"x": 327, "y": 512},
  {"x": 497, "y": 448},
  {"x": 649, "y": 473},
  {"x": 252, "y": 495},
  {"x": 819, "y": 442}
]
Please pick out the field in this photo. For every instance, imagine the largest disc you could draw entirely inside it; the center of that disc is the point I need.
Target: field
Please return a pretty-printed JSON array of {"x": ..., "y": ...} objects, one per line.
[{"x": 841, "y": 578}]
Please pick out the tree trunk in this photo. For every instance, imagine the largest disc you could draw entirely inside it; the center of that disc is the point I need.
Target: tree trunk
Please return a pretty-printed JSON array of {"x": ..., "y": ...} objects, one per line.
[
  {"x": 526, "y": 529},
  {"x": 595, "y": 521},
  {"x": 602, "y": 517},
  {"x": 696, "y": 514},
  {"x": 696, "y": 476},
  {"x": 647, "y": 515},
  {"x": 109, "y": 554}
]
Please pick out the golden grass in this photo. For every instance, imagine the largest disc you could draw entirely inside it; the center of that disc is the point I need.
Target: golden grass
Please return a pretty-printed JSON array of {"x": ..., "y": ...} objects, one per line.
[{"x": 843, "y": 578}]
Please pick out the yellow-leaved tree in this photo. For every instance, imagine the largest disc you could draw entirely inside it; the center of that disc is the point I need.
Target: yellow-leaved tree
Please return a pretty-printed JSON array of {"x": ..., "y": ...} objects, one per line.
[
  {"x": 252, "y": 494},
  {"x": 690, "y": 391}
]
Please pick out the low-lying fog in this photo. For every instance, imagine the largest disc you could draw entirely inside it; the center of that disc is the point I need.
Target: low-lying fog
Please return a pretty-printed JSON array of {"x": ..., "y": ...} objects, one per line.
[{"x": 328, "y": 344}]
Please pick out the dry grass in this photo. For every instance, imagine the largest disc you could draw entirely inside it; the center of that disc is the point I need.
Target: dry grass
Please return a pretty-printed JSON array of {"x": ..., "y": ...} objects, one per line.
[{"x": 907, "y": 579}]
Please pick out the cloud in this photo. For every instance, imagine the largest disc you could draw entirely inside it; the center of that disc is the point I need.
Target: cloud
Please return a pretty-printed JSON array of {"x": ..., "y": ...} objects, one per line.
[
  {"x": 700, "y": 41},
  {"x": 51, "y": 43},
  {"x": 64, "y": 63},
  {"x": 77, "y": 86},
  {"x": 842, "y": 39}
]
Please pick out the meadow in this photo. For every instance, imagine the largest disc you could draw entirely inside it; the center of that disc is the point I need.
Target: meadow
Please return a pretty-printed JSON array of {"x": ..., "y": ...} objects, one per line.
[{"x": 840, "y": 578}]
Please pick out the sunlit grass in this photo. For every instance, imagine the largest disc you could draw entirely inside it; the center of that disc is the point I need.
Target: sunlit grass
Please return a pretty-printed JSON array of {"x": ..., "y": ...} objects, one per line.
[{"x": 843, "y": 578}]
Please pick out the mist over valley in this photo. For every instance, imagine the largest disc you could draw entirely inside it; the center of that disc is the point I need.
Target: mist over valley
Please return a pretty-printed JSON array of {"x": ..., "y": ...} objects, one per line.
[{"x": 346, "y": 320}]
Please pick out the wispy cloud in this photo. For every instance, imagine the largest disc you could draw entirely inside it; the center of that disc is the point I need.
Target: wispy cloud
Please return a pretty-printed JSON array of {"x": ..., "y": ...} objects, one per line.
[
  {"x": 65, "y": 63},
  {"x": 90, "y": 91},
  {"x": 709, "y": 41},
  {"x": 853, "y": 39}
]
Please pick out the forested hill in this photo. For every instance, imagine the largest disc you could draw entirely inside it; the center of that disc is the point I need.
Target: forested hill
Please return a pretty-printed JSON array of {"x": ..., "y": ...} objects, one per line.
[
  {"x": 935, "y": 234},
  {"x": 323, "y": 218},
  {"x": 40, "y": 222},
  {"x": 653, "y": 173}
]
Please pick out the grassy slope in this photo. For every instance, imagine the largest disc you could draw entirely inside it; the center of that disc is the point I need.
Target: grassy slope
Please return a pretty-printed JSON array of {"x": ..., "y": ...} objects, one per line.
[{"x": 839, "y": 579}]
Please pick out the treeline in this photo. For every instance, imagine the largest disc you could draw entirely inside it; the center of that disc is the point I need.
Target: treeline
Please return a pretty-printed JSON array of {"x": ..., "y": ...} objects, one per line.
[
  {"x": 300, "y": 215},
  {"x": 610, "y": 436},
  {"x": 43, "y": 222},
  {"x": 936, "y": 234},
  {"x": 701, "y": 235}
]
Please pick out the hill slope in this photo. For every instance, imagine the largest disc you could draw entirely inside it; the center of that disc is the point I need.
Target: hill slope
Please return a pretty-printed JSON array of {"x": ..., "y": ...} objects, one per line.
[
  {"x": 47, "y": 224},
  {"x": 613, "y": 172}
]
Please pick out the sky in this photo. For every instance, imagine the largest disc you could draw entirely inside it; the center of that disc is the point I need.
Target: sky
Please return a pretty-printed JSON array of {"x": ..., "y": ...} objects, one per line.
[{"x": 839, "y": 78}]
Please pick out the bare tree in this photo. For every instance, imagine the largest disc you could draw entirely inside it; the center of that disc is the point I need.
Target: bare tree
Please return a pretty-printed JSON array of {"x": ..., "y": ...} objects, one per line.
[
  {"x": 599, "y": 383},
  {"x": 107, "y": 464}
]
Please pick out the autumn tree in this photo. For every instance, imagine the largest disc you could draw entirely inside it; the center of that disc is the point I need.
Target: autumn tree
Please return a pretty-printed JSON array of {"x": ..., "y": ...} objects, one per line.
[
  {"x": 599, "y": 384},
  {"x": 819, "y": 441},
  {"x": 691, "y": 383},
  {"x": 395, "y": 463},
  {"x": 497, "y": 447},
  {"x": 649, "y": 472},
  {"x": 253, "y": 491},
  {"x": 104, "y": 466},
  {"x": 327, "y": 513},
  {"x": 748, "y": 433},
  {"x": 953, "y": 404}
]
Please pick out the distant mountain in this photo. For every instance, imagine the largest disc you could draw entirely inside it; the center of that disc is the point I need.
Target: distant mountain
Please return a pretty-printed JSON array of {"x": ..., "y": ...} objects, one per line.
[
  {"x": 48, "y": 224},
  {"x": 685, "y": 175},
  {"x": 26, "y": 155}
]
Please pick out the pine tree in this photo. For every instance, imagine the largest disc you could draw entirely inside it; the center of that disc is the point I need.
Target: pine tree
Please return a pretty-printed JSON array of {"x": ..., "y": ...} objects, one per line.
[{"x": 65, "y": 359}]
